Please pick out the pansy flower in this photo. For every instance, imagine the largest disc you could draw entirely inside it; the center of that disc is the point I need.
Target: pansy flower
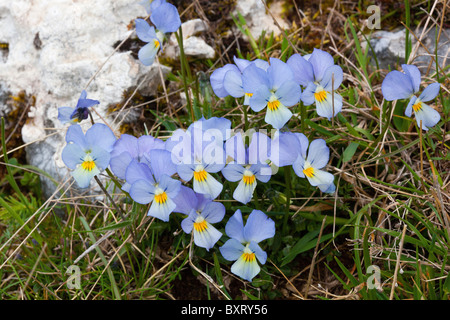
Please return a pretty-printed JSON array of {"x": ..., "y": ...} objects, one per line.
[
  {"x": 243, "y": 247},
  {"x": 128, "y": 147},
  {"x": 315, "y": 72},
  {"x": 201, "y": 213},
  {"x": 398, "y": 85},
  {"x": 79, "y": 113},
  {"x": 310, "y": 161},
  {"x": 248, "y": 164},
  {"x": 151, "y": 181},
  {"x": 274, "y": 88},
  {"x": 227, "y": 80},
  {"x": 197, "y": 154},
  {"x": 166, "y": 19},
  {"x": 87, "y": 154}
]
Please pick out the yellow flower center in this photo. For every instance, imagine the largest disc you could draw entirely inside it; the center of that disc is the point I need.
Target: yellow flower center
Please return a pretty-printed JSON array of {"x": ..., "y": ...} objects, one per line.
[
  {"x": 200, "y": 175},
  {"x": 161, "y": 198},
  {"x": 273, "y": 105},
  {"x": 249, "y": 94},
  {"x": 200, "y": 226},
  {"x": 320, "y": 96},
  {"x": 88, "y": 165},
  {"x": 248, "y": 178},
  {"x": 156, "y": 43},
  {"x": 248, "y": 256},
  {"x": 309, "y": 172},
  {"x": 417, "y": 106}
]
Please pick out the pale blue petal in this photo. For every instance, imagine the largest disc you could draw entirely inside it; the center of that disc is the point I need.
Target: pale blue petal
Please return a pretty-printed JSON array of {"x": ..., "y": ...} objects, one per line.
[
  {"x": 72, "y": 155},
  {"x": 302, "y": 69},
  {"x": 142, "y": 192},
  {"x": 414, "y": 75},
  {"x": 100, "y": 135},
  {"x": 84, "y": 177},
  {"x": 304, "y": 143},
  {"x": 170, "y": 186},
  {"x": 289, "y": 93},
  {"x": 258, "y": 227},
  {"x": 241, "y": 63},
  {"x": 318, "y": 154},
  {"x": 217, "y": 79},
  {"x": 101, "y": 157},
  {"x": 233, "y": 172},
  {"x": 397, "y": 85},
  {"x": 428, "y": 116},
  {"x": 263, "y": 172},
  {"x": 235, "y": 148},
  {"x": 144, "y": 31},
  {"x": 253, "y": 78},
  {"x": 160, "y": 161},
  {"x": 325, "y": 108},
  {"x": 213, "y": 212},
  {"x": 232, "y": 82},
  {"x": 260, "y": 254},
  {"x": 285, "y": 150},
  {"x": 245, "y": 270},
  {"x": 209, "y": 186},
  {"x": 259, "y": 148},
  {"x": 232, "y": 249},
  {"x": 161, "y": 211},
  {"x": 87, "y": 103},
  {"x": 75, "y": 134},
  {"x": 166, "y": 18},
  {"x": 64, "y": 114},
  {"x": 126, "y": 143},
  {"x": 187, "y": 224},
  {"x": 259, "y": 99},
  {"x": 321, "y": 177},
  {"x": 244, "y": 192},
  {"x": 138, "y": 171},
  {"x": 235, "y": 227},
  {"x": 146, "y": 143},
  {"x": 185, "y": 171},
  {"x": 298, "y": 166},
  {"x": 332, "y": 72},
  {"x": 430, "y": 92},
  {"x": 408, "y": 110},
  {"x": 308, "y": 94},
  {"x": 279, "y": 72},
  {"x": 147, "y": 53},
  {"x": 331, "y": 188},
  {"x": 207, "y": 238},
  {"x": 185, "y": 200},
  {"x": 320, "y": 61},
  {"x": 279, "y": 117}
]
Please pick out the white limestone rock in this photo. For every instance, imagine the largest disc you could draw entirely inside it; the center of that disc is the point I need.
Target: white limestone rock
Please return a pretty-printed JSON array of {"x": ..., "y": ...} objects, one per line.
[{"x": 55, "y": 47}]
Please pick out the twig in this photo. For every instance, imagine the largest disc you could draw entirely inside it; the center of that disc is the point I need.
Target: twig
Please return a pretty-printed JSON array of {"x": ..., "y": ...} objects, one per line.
[
  {"x": 397, "y": 265},
  {"x": 314, "y": 258}
]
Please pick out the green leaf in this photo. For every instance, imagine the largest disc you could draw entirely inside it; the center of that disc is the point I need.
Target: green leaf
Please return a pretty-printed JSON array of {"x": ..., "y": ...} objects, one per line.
[{"x": 349, "y": 152}]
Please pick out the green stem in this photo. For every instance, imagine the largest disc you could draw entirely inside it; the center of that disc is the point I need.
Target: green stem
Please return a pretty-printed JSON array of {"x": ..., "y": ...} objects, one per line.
[
  {"x": 185, "y": 72},
  {"x": 287, "y": 177}
]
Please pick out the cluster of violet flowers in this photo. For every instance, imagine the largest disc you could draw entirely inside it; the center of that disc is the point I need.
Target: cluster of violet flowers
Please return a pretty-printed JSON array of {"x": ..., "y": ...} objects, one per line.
[{"x": 183, "y": 174}]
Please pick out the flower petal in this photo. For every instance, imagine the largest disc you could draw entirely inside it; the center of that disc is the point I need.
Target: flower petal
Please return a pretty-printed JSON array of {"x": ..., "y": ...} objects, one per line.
[
  {"x": 232, "y": 249},
  {"x": 161, "y": 210},
  {"x": 147, "y": 53},
  {"x": 84, "y": 177},
  {"x": 244, "y": 192},
  {"x": 217, "y": 79},
  {"x": 302, "y": 69},
  {"x": 72, "y": 155},
  {"x": 144, "y": 31},
  {"x": 428, "y": 116},
  {"x": 430, "y": 92},
  {"x": 320, "y": 61},
  {"x": 258, "y": 227},
  {"x": 166, "y": 18},
  {"x": 414, "y": 75},
  {"x": 325, "y": 108},
  {"x": 233, "y": 172},
  {"x": 213, "y": 212},
  {"x": 245, "y": 269},
  {"x": 279, "y": 117},
  {"x": 64, "y": 114},
  {"x": 208, "y": 237},
  {"x": 100, "y": 135},
  {"x": 318, "y": 154},
  {"x": 289, "y": 93},
  {"x": 321, "y": 177},
  {"x": 279, "y": 72},
  {"x": 397, "y": 85},
  {"x": 232, "y": 82},
  {"x": 333, "y": 72},
  {"x": 142, "y": 192},
  {"x": 235, "y": 227}
]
